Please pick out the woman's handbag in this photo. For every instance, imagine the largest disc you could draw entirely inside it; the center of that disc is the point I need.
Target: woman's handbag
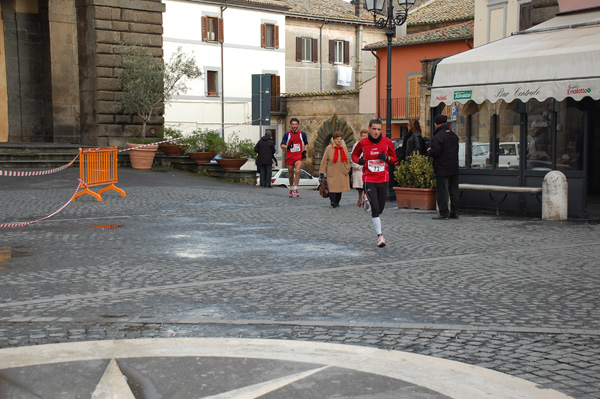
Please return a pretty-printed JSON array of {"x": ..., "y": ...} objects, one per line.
[{"x": 323, "y": 189}]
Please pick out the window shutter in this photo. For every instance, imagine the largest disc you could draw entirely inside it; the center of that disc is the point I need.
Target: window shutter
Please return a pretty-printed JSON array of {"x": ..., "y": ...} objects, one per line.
[
  {"x": 275, "y": 94},
  {"x": 204, "y": 30},
  {"x": 315, "y": 50},
  {"x": 298, "y": 49},
  {"x": 525, "y": 16},
  {"x": 414, "y": 95},
  {"x": 276, "y": 36},
  {"x": 221, "y": 31},
  {"x": 346, "y": 52},
  {"x": 263, "y": 35},
  {"x": 332, "y": 51}
]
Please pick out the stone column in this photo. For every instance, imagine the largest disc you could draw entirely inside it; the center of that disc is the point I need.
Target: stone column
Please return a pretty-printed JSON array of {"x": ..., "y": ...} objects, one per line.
[
  {"x": 555, "y": 191},
  {"x": 64, "y": 71}
]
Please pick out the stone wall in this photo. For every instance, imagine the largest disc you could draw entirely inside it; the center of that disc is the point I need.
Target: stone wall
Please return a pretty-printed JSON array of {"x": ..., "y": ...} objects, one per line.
[
  {"x": 103, "y": 25},
  {"x": 27, "y": 78},
  {"x": 320, "y": 115}
]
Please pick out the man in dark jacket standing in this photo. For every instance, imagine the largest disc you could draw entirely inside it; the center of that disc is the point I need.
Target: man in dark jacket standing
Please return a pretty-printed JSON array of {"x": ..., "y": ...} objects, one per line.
[
  {"x": 444, "y": 151},
  {"x": 265, "y": 148}
]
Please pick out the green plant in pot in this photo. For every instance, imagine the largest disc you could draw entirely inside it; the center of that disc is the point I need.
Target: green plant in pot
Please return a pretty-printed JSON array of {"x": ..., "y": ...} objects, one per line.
[
  {"x": 176, "y": 145},
  {"x": 147, "y": 85},
  {"x": 415, "y": 181},
  {"x": 235, "y": 152},
  {"x": 203, "y": 147}
]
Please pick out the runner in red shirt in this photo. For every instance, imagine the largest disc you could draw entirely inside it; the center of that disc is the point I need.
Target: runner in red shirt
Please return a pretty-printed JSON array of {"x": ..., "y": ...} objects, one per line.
[
  {"x": 295, "y": 143},
  {"x": 375, "y": 152}
]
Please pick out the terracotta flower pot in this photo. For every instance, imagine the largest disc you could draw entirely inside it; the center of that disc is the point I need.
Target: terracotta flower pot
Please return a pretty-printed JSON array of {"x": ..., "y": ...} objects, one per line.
[
  {"x": 415, "y": 198},
  {"x": 231, "y": 164},
  {"x": 142, "y": 158},
  {"x": 172, "y": 150},
  {"x": 202, "y": 157}
]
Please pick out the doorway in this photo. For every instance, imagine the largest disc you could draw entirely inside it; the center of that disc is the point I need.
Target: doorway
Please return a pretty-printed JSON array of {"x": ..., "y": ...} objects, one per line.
[{"x": 593, "y": 161}]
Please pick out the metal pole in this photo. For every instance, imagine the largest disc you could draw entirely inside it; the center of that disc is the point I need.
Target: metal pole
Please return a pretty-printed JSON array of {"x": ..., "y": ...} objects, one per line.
[
  {"x": 391, "y": 194},
  {"x": 388, "y": 113},
  {"x": 260, "y": 105}
]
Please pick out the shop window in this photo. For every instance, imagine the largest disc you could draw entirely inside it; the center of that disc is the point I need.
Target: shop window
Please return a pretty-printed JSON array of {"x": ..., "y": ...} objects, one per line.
[
  {"x": 507, "y": 151},
  {"x": 569, "y": 135},
  {"x": 479, "y": 121},
  {"x": 539, "y": 134}
]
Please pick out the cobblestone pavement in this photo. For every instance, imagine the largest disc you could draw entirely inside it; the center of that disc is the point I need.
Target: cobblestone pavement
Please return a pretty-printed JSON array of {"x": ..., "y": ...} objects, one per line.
[{"x": 188, "y": 256}]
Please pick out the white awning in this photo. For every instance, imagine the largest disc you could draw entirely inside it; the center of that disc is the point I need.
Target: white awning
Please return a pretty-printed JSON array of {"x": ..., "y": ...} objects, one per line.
[{"x": 556, "y": 59}]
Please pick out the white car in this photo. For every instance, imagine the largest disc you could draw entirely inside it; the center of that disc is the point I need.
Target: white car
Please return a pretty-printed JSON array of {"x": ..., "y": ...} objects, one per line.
[
  {"x": 280, "y": 178},
  {"x": 508, "y": 155}
]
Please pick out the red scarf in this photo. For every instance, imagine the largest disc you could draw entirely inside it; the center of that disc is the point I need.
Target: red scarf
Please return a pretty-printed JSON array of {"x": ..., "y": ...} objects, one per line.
[{"x": 339, "y": 150}]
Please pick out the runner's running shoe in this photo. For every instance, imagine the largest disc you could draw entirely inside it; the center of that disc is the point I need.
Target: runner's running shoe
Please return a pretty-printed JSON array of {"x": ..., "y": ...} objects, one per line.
[
  {"x": 291, "y": 193},
  {"x": 380, "y": 241},
  {"x": 296, "y": 194},
  {"x": 365, "y": 203}
]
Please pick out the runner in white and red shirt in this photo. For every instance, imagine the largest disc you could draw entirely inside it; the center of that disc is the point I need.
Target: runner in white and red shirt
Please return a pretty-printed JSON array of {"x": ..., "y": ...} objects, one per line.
[
  {"x": 295, "y": 143},
  {"x": 375, "y": 152}
]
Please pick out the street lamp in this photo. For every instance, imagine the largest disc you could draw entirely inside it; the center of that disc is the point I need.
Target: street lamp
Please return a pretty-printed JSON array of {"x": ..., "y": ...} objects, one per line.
[{"x": 391, "y": 21}]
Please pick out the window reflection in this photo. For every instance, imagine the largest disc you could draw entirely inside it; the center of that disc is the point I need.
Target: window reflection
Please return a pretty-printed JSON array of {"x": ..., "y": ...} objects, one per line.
[
  {"x": 480, "y": 136},
  {"x": 539, "y": 142},
  {"x": 569, "y": 136},
  {"x": 509, "y": 125}
]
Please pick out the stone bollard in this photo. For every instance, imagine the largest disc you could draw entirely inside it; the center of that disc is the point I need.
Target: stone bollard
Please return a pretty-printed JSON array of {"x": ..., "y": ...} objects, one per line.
[{"x": 555, "y": 190}]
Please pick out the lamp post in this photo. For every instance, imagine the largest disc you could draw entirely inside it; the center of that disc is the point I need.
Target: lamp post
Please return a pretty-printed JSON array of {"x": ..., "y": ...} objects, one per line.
[{"x": 391, "y": 21}]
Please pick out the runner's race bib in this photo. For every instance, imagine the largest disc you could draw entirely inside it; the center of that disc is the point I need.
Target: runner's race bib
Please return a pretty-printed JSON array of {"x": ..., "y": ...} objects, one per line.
[
  {"x": 376, "y": 165},
  {"x": 294, "y": 147}
]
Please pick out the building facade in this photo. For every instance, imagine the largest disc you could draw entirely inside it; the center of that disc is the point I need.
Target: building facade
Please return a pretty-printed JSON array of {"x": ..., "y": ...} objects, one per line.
[
  {"x": 228, "y": 56},
  {"x": 324, "y": 39},
  {"x": 59, "y": 68}
]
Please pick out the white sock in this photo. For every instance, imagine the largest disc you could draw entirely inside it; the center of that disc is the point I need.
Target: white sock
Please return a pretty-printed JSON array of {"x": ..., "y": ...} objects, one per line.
[
  {"x": 295, "y": 187},
  {"x": 377, "y": 225}
]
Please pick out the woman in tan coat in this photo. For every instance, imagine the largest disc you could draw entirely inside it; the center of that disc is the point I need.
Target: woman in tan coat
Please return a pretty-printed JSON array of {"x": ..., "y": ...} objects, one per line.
[{"x": 336, "y": 165}]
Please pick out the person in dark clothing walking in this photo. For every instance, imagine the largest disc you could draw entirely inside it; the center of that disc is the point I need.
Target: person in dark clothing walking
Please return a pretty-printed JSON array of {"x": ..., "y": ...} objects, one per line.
[
  {"x": 265, "y": 148},
  {"x": 444, "y": 151},
  {"x": 411, "y": 142}
]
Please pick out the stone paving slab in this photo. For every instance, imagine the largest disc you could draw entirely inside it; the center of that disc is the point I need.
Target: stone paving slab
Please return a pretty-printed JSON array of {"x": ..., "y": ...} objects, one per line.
[
  {"x": 189, "y": 256},
  {"x": 241, "y": 368}
]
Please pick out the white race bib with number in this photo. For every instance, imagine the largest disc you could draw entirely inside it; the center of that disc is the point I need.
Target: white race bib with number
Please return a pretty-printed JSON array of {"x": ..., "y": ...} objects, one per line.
[
  {"x": 294, "y": 147},
  {"x": 376, "y": 165}
]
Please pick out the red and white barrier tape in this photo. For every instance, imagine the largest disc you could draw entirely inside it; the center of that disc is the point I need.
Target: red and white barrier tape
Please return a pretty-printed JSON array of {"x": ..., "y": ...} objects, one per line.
[
  {"x": 47, "y": 217},
  {"x": 12, "y": 173}
]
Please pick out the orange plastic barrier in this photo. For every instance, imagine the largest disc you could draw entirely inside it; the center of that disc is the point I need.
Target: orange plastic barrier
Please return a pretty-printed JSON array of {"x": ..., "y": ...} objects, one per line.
[{"x": 98, "y": 166}]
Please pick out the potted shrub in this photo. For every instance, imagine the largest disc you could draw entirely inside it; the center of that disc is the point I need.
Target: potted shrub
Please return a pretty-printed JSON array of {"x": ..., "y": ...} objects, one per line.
[
  {"x": 416, "y": 183},
  {"x": 235, "y": 152},
  {"x": 148, "y": 84},
  {"x": 172, "y": 148},
  {"x": 203, "y": 147}
]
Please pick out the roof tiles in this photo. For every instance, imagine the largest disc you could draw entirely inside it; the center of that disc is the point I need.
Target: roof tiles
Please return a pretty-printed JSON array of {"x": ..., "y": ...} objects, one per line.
[
  {"x": 462, "y": 31},
  {"x": 436, "y": 11}
]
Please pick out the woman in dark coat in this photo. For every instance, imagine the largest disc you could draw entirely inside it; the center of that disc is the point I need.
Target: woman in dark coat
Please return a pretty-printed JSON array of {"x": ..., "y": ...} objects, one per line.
[{"x": 411, "y": 142}]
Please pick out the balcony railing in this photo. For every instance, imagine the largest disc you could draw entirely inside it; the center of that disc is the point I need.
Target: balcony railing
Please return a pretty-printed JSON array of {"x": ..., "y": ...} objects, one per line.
[{"x": 402, "y": 108}]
